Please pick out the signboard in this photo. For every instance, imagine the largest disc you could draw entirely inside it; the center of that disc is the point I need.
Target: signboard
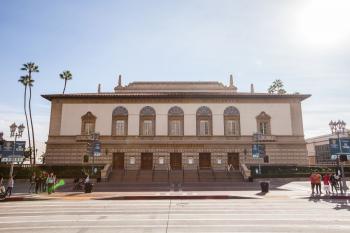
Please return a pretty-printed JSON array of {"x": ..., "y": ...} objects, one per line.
[
  {"x": 337, "y": 148},
  {"x": 9, "y": 154},
  {"x": 258, "y": 151},
  {"x": 96, "y": 149}
]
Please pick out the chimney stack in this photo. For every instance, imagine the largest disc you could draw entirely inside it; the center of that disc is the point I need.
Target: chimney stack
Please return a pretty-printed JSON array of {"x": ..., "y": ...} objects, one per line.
[
  {"x": 231, "y": 80},
  {"x": 99, "y": 88},
  {"x": 252, "y": 88}
]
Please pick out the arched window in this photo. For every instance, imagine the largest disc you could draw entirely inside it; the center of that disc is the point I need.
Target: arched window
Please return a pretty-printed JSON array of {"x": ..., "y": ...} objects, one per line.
[
  {"x": 147, "y": 121},
  {"x": 263, "y": 121},
  {"x": 88, "y": 122},
  {"x": 175, "y": 121},
  {"x": 204, "y": 121},
  {"x": 232, "y": 121},
  {"x": 120, "y": 121}
]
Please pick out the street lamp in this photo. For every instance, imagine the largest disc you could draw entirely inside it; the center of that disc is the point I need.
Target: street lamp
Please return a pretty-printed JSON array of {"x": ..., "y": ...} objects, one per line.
[
  {"x": 337, "y": 128},
  {"x": 16, "y": 132}
]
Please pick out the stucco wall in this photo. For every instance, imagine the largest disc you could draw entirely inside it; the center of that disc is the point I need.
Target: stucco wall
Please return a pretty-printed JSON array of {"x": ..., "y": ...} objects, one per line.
[{"x": 281, "y": 123}]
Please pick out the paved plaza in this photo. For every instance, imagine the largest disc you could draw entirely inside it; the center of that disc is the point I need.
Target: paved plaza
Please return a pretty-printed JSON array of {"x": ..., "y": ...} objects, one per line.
[{"x": 286, "y": 208}]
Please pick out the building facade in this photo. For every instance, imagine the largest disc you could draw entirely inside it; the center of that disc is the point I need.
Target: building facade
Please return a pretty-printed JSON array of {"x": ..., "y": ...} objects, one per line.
[
  {"x": 318, "y": 149},
  {"x": 176, "y": 125}
]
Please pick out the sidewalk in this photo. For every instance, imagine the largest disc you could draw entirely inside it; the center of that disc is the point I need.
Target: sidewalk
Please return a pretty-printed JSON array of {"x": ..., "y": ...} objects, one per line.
[{"x": 292, "y": 190}]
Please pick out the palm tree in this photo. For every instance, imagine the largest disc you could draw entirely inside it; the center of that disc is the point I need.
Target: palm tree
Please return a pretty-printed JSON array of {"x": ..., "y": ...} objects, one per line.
[
  {"x": 25, "y": 81},
  {"x": 66, "y": 75},
  {"x": 31, "y": 67}
]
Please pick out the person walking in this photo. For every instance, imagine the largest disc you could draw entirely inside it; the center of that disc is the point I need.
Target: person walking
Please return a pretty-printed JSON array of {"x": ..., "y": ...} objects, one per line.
[
  {"x": 32, "y": 183},
  {"x": 326, "y": 181},
  {"x": 334, "y": 183},
  {"x": 313, "y": 182},
  {"x": 318, "y": 179},
  {"x": 50, "y": 183},
  {"x": 37, "y": 184},
  {"x": 10, "y": 185}
]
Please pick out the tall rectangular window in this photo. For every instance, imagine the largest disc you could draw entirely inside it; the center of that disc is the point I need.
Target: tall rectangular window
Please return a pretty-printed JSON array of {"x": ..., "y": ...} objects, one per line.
[
  {"x": 147, "y": 128},
  {"x": 89, "y": 128},
  {"x": 204, "y": 128},
  {"x": 232, "y": 127},
  {"x": 175, "y": 127},
  {"x": 263, "y": 127},
  {"x": 120, "y": 128}
]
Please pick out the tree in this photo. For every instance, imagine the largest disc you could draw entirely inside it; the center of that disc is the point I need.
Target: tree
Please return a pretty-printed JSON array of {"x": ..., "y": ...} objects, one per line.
[
  {"x": 277, "y": 87},
  {"x": 25, "y": 81},
  {"x": 31, "y": 67},
  {"x": 66, "y": 75}
]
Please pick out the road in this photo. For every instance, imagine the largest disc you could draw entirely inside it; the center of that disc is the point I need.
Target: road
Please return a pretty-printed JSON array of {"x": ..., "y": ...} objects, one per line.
[{"x": 274, "y": 214}]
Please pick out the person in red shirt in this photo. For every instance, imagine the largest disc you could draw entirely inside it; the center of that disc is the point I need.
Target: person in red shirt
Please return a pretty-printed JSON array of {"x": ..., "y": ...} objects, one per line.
[
  {"x": 326, "y": 179},
  {"x": 313, "y": 182}
]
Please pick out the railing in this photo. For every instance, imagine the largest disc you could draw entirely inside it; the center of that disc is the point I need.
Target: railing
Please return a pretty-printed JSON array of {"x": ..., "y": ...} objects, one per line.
[
  {"x": 106, "y": 171},
  {"x": 169, "y": 168},
  {"x": 153, "y": 169},
  {"x": 213, "y": 173},
  {"x": 183, "y": 173},
  {"x": 245, "y": 171},
  {"x": 199, "y": 177}
]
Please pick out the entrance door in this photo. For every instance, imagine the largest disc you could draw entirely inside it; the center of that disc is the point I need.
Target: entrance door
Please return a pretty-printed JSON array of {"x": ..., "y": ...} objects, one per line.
[
  {"x": 233, "y": 159},
  {"x": 175, "y": 161},
  {"x": 118, "y": 161},
  {"x": 204, "y": 160},
  {"x": 146, "y": 161}
]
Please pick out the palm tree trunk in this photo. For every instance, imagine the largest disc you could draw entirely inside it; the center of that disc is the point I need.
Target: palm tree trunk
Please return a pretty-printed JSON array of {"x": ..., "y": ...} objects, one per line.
[
  {"x": 25, "y": 113},
  {"x": 65, "y": 83},
  {"x": 31, "y": 122}
]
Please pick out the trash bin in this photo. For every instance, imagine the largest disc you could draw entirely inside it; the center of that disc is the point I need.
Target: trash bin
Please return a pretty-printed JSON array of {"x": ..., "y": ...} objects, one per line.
[
  {"x": 264, "y": 186},
  {"x": 88, "y": 187}
]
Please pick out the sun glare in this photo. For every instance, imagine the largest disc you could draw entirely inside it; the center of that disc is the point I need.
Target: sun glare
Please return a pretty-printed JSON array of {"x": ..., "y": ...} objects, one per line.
[{"x": 325, "y": 23}]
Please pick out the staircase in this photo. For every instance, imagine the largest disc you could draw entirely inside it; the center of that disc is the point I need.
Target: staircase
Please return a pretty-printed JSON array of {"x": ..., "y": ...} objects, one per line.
[
  {"x": 235, "y": 176},
  {"x": 206, "y": 175},
  {"x": 160, "y": 176},
  {"x": 176, "y": 176},
  {"x": 116, "y": 175},
  {"x": 130, "y": 176},
  {"x": 144, "y": 176},
  {"x": 190, "y": 176}
]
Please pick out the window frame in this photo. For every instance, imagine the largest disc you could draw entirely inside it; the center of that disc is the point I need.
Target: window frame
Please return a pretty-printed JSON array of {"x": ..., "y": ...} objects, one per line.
[
  {"x": 88, "y": 118},
  {"x": 264, "y": 118},
  {"x": 204, "y": 113}
]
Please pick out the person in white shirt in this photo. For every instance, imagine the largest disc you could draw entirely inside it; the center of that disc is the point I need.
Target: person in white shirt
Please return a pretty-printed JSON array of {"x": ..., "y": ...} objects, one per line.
[{"x": 10, "y": 184}]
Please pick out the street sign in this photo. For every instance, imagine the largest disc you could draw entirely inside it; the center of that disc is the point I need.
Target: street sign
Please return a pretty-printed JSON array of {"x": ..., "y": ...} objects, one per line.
[
  {"x": 258, "y": 151},
  {"x": 6, "y": 151},
  {"x": 336, "y": 148}
]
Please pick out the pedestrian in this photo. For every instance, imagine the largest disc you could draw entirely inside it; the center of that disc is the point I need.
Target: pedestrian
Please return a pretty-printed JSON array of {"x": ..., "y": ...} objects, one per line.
[
  {"x": 318, "y": 179},
  {"x": 334, "y": 183},
  {"x": 2, "y": 187},
  {"x": 50, "y": 183},
  {"x": 37, "y": 183},
  {"x": 326, "y": 180},
  {"x": 43, "y": 181},
  {"x": 10, "y": 185},
  {"x": 313, "y": 182},
  {"x": 54, "y": 182},
  {"x": 32, "y": 183}
]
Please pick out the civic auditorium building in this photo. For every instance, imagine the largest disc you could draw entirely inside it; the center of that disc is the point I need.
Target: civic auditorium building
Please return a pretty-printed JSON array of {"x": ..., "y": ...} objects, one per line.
[{"x": 176, "y": 125}]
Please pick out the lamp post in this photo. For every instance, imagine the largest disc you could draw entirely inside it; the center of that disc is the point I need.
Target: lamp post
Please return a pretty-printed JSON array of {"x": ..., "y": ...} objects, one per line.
[
  {"x": 16, "y": 132},
  {"x": 337, "y": 128}
]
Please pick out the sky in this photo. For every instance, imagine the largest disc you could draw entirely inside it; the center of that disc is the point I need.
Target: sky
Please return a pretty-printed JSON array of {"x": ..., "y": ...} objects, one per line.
[{"x": 305, "y": 43}]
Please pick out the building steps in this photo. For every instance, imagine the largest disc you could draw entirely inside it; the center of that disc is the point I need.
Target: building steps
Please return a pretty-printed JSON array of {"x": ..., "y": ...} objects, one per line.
[
  {"x": 206, "y": 175},
  {"x": 176, "y": 176},
  {"x": 145, "y": 176},
  {"x": 160, "y": 176}
]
